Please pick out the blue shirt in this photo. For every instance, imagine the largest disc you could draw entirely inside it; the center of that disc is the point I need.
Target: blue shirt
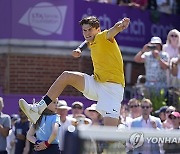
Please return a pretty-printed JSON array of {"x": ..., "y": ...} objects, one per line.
[
  {"x": 5, "y": 121},
  {"x": 45, "y": 128}
]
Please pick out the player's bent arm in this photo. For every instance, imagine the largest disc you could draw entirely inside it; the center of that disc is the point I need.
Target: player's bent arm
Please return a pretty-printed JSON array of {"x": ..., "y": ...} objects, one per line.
[
  {"x": 77, "y": 52},
  {"x": 118, "y": 27}
]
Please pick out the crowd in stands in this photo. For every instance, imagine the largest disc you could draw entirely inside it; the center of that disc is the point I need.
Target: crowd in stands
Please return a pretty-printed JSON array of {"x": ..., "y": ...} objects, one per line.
[
  {"x": 165, "y": 6},
  {"x": 18, "y": 136},
  {"x": 162, "y": 65}
]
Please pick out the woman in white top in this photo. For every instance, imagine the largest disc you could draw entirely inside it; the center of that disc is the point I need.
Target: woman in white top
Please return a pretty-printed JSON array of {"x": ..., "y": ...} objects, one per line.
[
  {"x": 172, "y": 43},
  {"x": 172, "y": 47}
]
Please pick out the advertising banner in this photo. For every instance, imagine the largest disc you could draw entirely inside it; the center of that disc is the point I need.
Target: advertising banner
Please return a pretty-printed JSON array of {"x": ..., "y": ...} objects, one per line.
[
  {"x": 5, "y": 19},
  {"x": 144, "y": 24}
]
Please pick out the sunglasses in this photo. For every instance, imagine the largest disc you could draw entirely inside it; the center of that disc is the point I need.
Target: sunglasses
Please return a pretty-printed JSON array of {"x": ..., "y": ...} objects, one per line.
[
  {"x": 172, "y": 117},
  {"x": 132, "y": 106},
  {"x": 169, "y": 111},
  {"x": 173, "y": 35},
  {"x": 77, "y": 107},
  {"x": 145, "y": 107},
  {"x": 92, "y": 111}
]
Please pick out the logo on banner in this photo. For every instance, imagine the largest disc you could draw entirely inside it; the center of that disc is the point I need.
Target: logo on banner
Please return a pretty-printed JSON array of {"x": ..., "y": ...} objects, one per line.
[
  {"x": 136, "y": 140},
  {"x": 45, "y": 18}
]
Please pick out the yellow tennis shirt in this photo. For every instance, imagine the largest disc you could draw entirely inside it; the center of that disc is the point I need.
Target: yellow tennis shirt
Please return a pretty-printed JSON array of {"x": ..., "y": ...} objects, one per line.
[{"x": 107, "y": 59}]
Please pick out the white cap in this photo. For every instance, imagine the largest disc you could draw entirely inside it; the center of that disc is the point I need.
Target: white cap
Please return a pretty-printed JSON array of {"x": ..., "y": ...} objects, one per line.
[
  {"x": 63, "y": 105},
  {"x": 156, "y": 40},
  {"x": 77, "y": 103},
  {"x": 92, "y": 107}
]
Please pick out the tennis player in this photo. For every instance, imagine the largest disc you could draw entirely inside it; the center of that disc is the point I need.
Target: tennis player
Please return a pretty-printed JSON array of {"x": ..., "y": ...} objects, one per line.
[{"x": 106, "y": 85}]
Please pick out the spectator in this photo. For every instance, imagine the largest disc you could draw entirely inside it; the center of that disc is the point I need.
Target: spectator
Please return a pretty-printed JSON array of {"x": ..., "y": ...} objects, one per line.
[
  {"x": 177, "y": 7},
  {"x": 21, "y": 128},
  {"x": 82, "y": 120},
  {"x": 123, "y": 2},
  {"x": 77, "y": 113},
  {"x": 77, "y": 108},
  {"x": 46, "y": 130},
  {"x": 152, "y": 5},
  {"x": 162, "y": 113},
  {"x": 96, "y": 119},
  {"x": 174, "y": 6},
  {"x": 173, "y": 148},
  {"x": 130, "y": 111},
  {"x": 175, "y": 70},
  {"x": 156, "y": 64},
  {"x": 142, "y": 4},
  {"x": 124, "y": 119},
  {"x": 135, "y": 109},
  {"x": 134, "y": 112},
  {"x": 11, "y": 137},
  {"x": 65, "y": 120},
  {"x": 164, "y": 6},
  {"x": 167, "y": 123},
  {"x": 172, "y": 43},
  {"x": 175, "y": 119},
  {"x": 94, "y": 115},
  {"x": 5, "y": 125},
  {"x": 172, "y": 48},
  {"x": 147, "y": 121}
]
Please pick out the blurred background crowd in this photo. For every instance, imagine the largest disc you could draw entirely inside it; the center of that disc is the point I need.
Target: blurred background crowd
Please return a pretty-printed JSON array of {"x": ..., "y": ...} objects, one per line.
[
  {"x": 165, "y": 6},
  {"x": 15, "y": 136}
]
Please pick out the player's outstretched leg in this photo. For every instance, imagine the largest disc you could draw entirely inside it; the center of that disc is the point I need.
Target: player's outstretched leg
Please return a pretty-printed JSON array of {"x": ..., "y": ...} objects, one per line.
[{"x": 33, "y": 111}]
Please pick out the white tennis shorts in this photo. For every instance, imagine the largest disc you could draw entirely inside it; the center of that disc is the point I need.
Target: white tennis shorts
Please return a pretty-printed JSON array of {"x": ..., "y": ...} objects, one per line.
[{"x": 108, "y": 96}]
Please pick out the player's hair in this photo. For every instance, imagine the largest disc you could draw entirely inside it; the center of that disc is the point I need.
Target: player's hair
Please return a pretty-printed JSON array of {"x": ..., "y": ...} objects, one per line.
[{"x": 91, "y": 20}]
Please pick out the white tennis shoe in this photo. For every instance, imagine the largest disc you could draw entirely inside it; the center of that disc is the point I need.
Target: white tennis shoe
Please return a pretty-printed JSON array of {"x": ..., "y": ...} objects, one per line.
[{"x": 31, "y": 110}]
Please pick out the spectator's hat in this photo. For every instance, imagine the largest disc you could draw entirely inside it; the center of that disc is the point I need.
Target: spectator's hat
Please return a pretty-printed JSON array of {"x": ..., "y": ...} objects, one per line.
[
  {"x": 77, "y": 104},
  {"x": 63, "y": 105},
  {"x": 175, "y": 114},
  {"x": 162, "y": 109},
  {"x": 92, "y": 107},
  {"x": 89, "y": 109},
  {"x": 14, "y": 117},
  {"x": 156, "y": 40}
]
